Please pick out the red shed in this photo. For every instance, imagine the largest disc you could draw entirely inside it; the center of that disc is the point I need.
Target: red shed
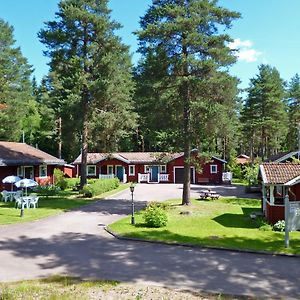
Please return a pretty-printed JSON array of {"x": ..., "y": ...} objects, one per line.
[{"x": 278, "y": 180}]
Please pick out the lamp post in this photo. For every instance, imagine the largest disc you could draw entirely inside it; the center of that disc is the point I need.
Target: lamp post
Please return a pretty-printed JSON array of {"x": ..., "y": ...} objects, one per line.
[{"x": 132, "y": 204}]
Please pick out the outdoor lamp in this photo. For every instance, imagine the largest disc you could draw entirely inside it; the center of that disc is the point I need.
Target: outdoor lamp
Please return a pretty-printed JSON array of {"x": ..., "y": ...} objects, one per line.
[{"x": 132, "y": 204}]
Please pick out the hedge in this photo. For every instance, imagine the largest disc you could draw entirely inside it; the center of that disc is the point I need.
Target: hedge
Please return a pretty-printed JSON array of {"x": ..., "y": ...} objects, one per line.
[{"x": 100, "y": 186}]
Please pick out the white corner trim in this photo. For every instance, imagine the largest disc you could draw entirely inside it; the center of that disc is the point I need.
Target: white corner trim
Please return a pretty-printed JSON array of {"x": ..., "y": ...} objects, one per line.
[
  {"x": 293, "y": 181},
  {"x": 263, "y": 174}
]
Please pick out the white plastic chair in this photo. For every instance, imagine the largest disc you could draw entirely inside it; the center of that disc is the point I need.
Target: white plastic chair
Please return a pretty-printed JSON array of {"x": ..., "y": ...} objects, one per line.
[
  {"x": 33, "y": 202},
  {"x": 18, "y": 194},
  {"x": 5, "y": 195},
  {"x": 20, "y": 203}
]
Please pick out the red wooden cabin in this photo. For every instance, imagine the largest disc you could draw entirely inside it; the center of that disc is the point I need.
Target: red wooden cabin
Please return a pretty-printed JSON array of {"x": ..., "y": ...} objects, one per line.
[{"x": 158, "y": 167}]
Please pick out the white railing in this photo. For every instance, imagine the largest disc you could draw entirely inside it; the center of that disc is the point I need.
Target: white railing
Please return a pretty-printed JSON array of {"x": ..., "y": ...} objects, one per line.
[
  {"x": 143, "y": 177},
  {"x": 124, "y": 178},
  {"x": 108, "y": 176},
  {"x": 227, "y": 176},
  {"x": 163, "y": 177}
]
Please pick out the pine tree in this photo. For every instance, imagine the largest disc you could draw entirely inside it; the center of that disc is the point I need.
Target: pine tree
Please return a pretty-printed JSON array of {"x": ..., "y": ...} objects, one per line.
[
  {"x": 196, "y": 60},
  {"x": 264, "y": 115},
  {"x": 16, "y": 102},
  {"x": 91, "y": 73},
  {"x": 293, "y": 94}
]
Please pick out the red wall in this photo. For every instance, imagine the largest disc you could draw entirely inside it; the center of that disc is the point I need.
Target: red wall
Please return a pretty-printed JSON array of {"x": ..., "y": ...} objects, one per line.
[
  {"x": 6, "y": 171},
  {"x": 139, "y": 168},
  {"x": 12, "y": 170},
  {"x": 274, "y": 213},
  {"x": 213, "y": 178}
]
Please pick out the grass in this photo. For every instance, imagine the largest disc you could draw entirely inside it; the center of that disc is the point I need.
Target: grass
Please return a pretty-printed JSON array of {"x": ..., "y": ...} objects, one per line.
[
  {"x": 73, "y": 288},
  {"x": 224, "y": 223},
  {"x": 55, "y": 287},
  {"x": 239, "y": 181},
  {"x": 49, "y": 206}
]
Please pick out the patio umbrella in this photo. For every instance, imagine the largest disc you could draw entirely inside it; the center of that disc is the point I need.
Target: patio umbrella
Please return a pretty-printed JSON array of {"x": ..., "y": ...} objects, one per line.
[
  {"x": 11, "y": 179},
  {"x": 26, "y": 183}
]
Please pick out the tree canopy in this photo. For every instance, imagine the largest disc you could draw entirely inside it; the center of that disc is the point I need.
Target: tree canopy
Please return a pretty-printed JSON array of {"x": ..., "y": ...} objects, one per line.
[
  {"x": 186, "y": 42},
  {"x": 91, "y": 81}
]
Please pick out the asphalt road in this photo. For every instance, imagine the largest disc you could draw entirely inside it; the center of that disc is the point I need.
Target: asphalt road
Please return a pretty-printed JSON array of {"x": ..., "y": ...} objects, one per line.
[{"x": 75, "y": 243}]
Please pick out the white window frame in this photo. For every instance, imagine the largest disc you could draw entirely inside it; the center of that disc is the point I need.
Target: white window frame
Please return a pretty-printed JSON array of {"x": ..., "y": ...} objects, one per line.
[
  {"x": 163, "y": 169},
  {"x": 40, "y": 171},
  {"x": 147, "y": 169},
  {"x": 213, "y": 167},
  {"x": 32, "y": 173},
  {"x": 131, "y": 170},
  {"x": 93, "y": 173},
  {"x": 110, "y": 167},
  {"x": 20, "y": 171}
]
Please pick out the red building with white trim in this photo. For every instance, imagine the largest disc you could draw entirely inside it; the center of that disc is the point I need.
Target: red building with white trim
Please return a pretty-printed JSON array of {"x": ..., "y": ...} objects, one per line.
[
  {"x": 278, "y": 180},
  {"x": 159, "y": 167},
  {"x": 27, "y": 162}
]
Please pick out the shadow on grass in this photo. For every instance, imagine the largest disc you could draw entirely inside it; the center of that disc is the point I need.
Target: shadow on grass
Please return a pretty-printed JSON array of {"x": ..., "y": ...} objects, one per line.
[
  {"x": 237, "y": 220},
  {"x": 273, "y": 243}
]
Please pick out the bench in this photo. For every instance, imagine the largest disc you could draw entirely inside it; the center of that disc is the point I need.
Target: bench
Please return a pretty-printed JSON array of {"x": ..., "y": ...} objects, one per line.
[
  {"x": 203, "y": 180},
  {"x": 202, "y": 196},
  {"x": 214, "y": 196}
]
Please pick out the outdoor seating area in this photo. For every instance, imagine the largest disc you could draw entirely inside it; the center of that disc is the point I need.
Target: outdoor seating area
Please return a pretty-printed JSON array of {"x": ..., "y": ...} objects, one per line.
[
  {"x": 205, "y": 194},
  {"x": 27, "y": 202},
  {"x": 20, "y": 196}
]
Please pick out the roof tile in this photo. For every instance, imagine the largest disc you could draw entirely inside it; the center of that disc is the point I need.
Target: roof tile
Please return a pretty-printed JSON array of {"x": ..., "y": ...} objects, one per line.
[{"x": 280, "y": 173}]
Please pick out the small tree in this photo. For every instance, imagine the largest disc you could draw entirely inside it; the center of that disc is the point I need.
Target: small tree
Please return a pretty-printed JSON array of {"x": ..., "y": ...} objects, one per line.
[
  {"x": 59, "y": 179},
  {"x": 251, "y": 174}
]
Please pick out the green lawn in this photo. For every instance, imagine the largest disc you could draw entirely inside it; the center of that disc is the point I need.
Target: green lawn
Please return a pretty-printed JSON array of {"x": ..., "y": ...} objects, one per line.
[
  {"x": 72, "y": 288},
  {"x": 219, "y": 223},
  {"x": 52, "y": 205}
]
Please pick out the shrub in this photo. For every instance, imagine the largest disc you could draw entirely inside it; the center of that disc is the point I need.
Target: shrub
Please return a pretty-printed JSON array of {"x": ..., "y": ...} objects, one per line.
[
  {"x": 47, "y": 190},
  {"x": 59, "y": 179},
  {"x": 279, "y": 226},
  {"x": 72, "y": 182},
  {"x": 263, "y": 225},
  {"x": 155, "y": 216},
  {"x": 99, "y": 186}
]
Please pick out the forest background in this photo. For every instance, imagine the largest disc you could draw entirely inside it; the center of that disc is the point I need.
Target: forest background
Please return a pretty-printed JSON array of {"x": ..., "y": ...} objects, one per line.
[{"x": 136, "y": 108}]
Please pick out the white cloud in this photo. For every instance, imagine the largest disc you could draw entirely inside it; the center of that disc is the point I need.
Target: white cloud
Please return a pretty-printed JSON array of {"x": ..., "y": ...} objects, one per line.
[{"x": 245, "y": 51}]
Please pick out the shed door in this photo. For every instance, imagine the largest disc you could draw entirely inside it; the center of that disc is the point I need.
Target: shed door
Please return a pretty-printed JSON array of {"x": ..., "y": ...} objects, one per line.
[{"x": 179, "y": 175}]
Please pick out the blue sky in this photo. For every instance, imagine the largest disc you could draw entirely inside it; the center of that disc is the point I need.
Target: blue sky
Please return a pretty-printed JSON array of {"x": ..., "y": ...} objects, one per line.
[{"x": 266, "y": 33}]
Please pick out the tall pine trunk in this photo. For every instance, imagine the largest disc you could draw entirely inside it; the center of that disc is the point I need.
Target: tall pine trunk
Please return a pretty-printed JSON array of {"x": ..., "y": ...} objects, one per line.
[
  {"x": 185, "y": 95},
  {"x": 85, "y": 102},
  {"x": 59, "y": 129},
  {"x": 84, "y": 146},
  {"x": 187, "y": 155}
]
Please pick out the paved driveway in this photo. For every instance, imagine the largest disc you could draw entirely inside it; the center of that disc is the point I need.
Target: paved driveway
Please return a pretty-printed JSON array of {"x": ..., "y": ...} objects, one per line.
[{"x": 75, "y": 243}]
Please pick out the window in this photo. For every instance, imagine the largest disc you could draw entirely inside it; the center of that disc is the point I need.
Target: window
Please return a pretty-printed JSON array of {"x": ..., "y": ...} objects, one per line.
[
  {"x": 110, "y": 169},
  {"x": 20, "y": 171},
  {"x": 163, "y": 169},
  {"x": 131, "y": 170},
  {"x": 213, "y": 169},
  {"x": 91, "y": 170},
  {"x": 147, "y": 169},
  {"x": 43, "y": 171}
]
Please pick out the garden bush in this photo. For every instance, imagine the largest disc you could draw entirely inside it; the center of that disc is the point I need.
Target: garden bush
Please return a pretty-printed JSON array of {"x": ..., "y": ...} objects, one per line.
[
  {"x": 279, "y": 226},
  {"x": 155, "y": 216},
  {"x": 47, "y": 190},
  {"x": 59, "y": 179},
  {"x": 72, "y": 182},
  {"x": 99, "y": 186}
]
